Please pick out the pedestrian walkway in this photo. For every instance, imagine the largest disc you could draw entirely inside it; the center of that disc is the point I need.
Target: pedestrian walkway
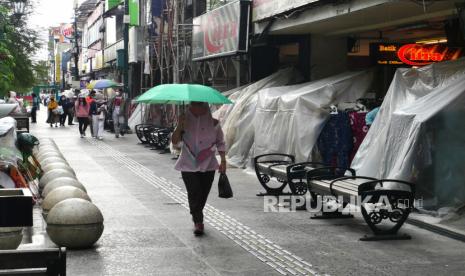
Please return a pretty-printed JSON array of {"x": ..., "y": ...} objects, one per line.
[{"x": 148, "y": 229}]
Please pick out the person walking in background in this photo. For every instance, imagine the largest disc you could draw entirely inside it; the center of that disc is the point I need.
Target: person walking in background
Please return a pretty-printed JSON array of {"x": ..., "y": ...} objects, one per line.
[
  {"x": 82, "y": 114},
  {"x": 71, "y": 111},
  {"x": 117, "y": 108},
  {"x": 201, "y": 137},
  {"x": 89, "y": 100},
  {"x": 53, "y": 114},
  {"x": 35, "y": 107},
  {"x": 62, "y": 103},
  {"x": 98, "y": 111}
]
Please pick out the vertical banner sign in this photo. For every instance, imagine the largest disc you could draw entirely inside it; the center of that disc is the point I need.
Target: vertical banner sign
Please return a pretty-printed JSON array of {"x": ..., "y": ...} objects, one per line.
[
  {"x": 221, "y": 32},
  {"x": 58, "y": 68},
  {"x": 134, "y": 12}
]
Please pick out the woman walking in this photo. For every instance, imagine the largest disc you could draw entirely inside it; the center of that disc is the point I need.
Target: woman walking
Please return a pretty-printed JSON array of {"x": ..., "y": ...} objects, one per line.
[
  {"x": 98, "y": 111},
  {"x": 53, "y": 114},
  {"x": 63, "y": 102},
  {"x": 82, "y": 114},
  {"x": 201, "y": 137}
]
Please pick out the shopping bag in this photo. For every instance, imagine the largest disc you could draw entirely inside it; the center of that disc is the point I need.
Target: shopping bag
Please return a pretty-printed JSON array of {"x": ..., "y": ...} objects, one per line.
[{"x": 224, "y": 188}]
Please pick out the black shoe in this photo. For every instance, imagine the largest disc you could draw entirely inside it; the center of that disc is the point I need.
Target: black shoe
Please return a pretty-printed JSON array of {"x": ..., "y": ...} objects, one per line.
[{"x": 198, "y": 229}]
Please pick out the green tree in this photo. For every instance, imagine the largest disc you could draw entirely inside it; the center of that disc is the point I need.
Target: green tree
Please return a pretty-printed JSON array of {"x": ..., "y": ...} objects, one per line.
[
  {"x": 18, "y": 44},
  {"x": 40, "y": 69}
]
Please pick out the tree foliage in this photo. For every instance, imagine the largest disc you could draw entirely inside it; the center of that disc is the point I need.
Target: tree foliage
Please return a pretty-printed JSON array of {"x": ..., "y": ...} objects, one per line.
[
  {"x": 18, "y": 43},
  {"x": 41, "y": 70}
]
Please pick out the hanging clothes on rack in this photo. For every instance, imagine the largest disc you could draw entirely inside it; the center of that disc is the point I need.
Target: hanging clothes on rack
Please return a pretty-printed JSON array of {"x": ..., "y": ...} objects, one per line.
[
  {"x": 359, "y": 130},
  {"x": 335, "y": 141}
]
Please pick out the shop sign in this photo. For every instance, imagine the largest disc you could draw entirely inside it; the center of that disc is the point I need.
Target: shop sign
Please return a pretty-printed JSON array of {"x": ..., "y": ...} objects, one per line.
[
  {"x": 267, "y": 8},
  {"x": 62, "y": 32},
  {"x": 58, "y": 68},
  {"x": 221, "y": 32},
  {"x": 134, "y": 9},
  {"x": 412, "y": 54},
  {"x": 67, "y": 30},
  {"x": 109, "y": 4}
]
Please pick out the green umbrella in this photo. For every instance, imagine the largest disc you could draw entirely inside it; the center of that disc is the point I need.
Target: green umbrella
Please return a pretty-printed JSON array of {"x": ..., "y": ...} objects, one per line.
[{"x": 181, "y": 93}]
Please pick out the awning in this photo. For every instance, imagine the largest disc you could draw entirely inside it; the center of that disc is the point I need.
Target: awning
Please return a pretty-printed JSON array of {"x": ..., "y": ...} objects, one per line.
[{"x": 358, "y": 16}]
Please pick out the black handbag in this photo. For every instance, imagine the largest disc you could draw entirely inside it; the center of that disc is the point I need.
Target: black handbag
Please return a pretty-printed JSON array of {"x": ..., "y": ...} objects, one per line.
[{"x": 224, "y": 188}]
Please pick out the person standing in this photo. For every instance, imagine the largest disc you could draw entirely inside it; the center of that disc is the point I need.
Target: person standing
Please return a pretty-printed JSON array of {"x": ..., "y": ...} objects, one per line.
[
  {"x": 201, "y": 137},
  {"x": 53, "y": 115},
  {"x": 35, "y": 107},
  {"x": 82, "y": 114}
]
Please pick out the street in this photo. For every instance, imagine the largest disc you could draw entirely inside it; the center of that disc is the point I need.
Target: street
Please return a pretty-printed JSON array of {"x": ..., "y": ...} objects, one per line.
[{"x": 148, "y": 230}]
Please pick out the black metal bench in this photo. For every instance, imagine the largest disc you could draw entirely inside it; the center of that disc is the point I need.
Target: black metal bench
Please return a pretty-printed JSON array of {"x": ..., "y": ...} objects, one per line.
[
  {"x": 141, "y": 129},
  {"x": 33, "y": 262},
  {"x": 393, "y": 204},
  {"x": 159, "y": 137},
  {"x": 384, "y": 209},
  {"x": 284, "y": 169}
]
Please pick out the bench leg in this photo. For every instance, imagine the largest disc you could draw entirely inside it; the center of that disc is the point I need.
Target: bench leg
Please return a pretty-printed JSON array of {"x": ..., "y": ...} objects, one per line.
[
  {"x": 373, "y": 218},
  {"x": 264, "y": 179}
]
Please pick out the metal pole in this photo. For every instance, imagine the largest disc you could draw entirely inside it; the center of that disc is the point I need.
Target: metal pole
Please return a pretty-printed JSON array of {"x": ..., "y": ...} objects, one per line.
[
  {"x": 76, "y": 45},
  {"x": 126, "y": 51},
  {"x": 176, "y": 58}
]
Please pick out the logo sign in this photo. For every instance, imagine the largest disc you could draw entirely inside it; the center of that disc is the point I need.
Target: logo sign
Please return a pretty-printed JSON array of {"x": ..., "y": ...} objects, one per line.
[
  {"x": 419, "y": 55},
  {"x": 221, "y": 32},
  {"x": 67, "y": 30},
  {"x": 412, "y": 54}
]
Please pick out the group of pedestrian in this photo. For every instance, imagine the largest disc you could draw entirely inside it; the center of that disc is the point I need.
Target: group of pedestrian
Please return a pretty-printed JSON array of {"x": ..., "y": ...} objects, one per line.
[{"x": 90, "y": 112}]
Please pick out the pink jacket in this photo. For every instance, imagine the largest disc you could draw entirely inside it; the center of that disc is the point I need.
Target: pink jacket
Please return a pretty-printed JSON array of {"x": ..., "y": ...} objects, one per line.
[
  {"x": 82, "y": 111},
  {"x": 201, "y": 140}
]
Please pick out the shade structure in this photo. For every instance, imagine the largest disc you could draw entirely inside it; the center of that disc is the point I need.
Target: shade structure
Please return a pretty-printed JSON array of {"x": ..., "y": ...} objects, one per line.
[
  {"x": 102, "y": 84},
  {"x": 182, "y": 93}
]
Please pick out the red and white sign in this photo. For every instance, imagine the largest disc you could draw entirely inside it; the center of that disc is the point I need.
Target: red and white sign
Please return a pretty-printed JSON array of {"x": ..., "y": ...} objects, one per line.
[
  {"x": 421, "y": 54},
  {"x": 221, "y": 32}
]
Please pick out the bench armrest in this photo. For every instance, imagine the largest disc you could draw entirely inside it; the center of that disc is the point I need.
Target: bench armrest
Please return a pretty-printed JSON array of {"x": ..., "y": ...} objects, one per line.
[
  {"x": 291, "y": 157},
  {"x": 372, "y": 184},
  {"x": 301, "y": 166}
]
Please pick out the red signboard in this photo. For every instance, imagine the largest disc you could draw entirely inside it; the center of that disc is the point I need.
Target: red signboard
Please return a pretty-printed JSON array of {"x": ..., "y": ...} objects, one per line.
[
  {"x": 419, "y": 55},
  {"x": 221, "y": 32},
  {"x": 412, "y": 54}
]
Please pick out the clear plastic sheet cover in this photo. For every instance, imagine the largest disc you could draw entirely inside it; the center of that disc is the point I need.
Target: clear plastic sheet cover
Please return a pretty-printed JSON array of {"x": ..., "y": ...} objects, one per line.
[
  {"x": 237, "y": 119},
  {"x": 9, "y": 154},
  {"x": 289, "y": 119},
  {"x": 419, "y": 134}
]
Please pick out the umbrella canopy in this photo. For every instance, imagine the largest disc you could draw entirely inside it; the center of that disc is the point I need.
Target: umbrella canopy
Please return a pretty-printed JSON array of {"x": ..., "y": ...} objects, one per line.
[
  {"x": 102, "y": 84},
  {"x": 180, "y": 93}
]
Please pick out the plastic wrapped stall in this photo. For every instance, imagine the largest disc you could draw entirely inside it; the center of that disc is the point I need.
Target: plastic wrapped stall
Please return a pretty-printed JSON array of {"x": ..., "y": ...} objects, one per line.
[
  {"x": 9, "y": 154},
  {"x": 419, "y": 134},
  {"x": 289, "y": 119},
  {"x": 237, "y": 120}
]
